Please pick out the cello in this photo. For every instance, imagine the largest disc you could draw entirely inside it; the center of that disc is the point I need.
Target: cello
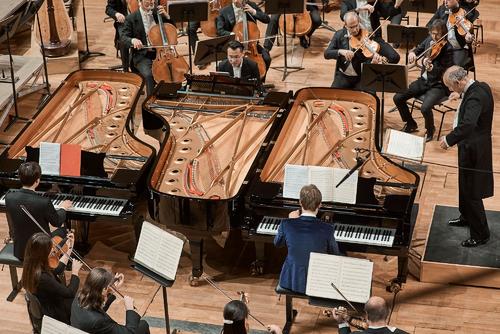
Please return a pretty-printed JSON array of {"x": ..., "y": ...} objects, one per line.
[
  {"x": 56, "y": 28},
  {"x": 248, "y": 33},
  {"x": 209, "y": 27},
  {"x": 296, "y": 24},
  {"x": 168, "y": 66}
]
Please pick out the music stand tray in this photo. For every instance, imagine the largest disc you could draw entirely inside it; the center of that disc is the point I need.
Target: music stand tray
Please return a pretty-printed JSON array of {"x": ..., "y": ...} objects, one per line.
[
  {"x": 406, "y": 34},
  {"x": 213, "y": 49}
]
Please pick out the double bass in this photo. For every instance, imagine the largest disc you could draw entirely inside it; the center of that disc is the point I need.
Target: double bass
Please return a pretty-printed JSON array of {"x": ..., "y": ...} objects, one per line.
[
  {"x": 248, "y": 34},
  {"x": 296, "y": 24},
  {"x": 209, "y": 27},
  {"x": 168, "y": 66},
  {"x": 56, "y": 28}
]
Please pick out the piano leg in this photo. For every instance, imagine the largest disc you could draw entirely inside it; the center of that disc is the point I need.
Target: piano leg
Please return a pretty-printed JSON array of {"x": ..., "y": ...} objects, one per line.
[
  {"x": 257, "y": 266},
  {"x": 197, "y": 261},
  {"x": 396, "y": 283}
]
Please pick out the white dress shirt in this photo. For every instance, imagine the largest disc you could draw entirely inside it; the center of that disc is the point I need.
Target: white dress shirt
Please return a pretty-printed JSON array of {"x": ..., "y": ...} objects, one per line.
[
  {"x": 237, "y": 70},
  {"x": 148, "y": 21}
]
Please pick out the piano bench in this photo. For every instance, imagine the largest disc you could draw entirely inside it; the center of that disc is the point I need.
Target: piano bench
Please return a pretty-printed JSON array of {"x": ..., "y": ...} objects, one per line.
[
  {"x": 289, "y": 311},
  {"x": 7, "y": 258}
]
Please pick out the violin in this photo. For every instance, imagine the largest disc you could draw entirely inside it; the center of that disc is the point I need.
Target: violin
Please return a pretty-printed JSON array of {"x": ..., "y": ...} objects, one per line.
[
  {"x": 248, "y": 33},
  {"x": 433, "y": 53},
  {"x": 209, "y": 27},
  {"x": 459, "y": 20},
  {"x": 296, "y": 24},
  {"x": 57, "y": 251},
  {"x": 353, "y": 320},
  {"x": 367, "y": 46},
  {"x": 168, "y": 66}
]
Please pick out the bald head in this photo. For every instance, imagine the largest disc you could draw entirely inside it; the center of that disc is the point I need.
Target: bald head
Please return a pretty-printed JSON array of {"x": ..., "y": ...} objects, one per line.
[
  {"x": 455, "y": 78},
  {"x": 376, "y": 310},
  {"x": 351, "y": 22}
]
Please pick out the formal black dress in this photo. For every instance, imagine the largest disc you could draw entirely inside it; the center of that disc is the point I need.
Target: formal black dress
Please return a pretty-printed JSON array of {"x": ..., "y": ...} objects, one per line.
[
  {"x": 112, "y": 8},
  {"x": 473, "y": 137},
  {"x": 22, "y": 226}
]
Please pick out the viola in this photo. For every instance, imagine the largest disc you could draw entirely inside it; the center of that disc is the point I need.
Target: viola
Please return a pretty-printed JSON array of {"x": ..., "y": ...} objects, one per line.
[
  {"x": 57, "y": 251},
  {"x": 353, "y": 320},
  {"x": 459, "y": 20},
  {"x": 209, "y": 27},
  {"x": 248, "y": 33},
  {"x": 363, "y": 43},
  {"x": 168, "y": 66},
  {"x": 296, "y": 24}
]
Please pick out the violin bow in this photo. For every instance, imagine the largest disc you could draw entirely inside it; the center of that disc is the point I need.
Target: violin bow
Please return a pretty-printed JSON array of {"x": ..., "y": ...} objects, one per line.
[{"x": 343, "y": 297}]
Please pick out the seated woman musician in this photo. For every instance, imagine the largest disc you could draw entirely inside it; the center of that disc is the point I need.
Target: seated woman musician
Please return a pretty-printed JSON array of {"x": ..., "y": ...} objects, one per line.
[
  {"x": 40, "y": 278},
  {"x": 438, "y": 56},
  {"x": 236, "y": 319},
  {"x": 302, "y": 234},
  {"x": 88, "y": 311},
  {"x": 351, "y": 47}
]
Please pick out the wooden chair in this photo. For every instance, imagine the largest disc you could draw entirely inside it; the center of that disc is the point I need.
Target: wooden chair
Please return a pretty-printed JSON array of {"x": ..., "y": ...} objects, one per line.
[{"x": 441, "y": 107}]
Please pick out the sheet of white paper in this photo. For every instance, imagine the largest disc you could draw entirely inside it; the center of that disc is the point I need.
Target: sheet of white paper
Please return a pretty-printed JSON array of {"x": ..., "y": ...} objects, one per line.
[
  {"x": 296, "y": 176},
  {"x": 346, "y": 192},
  {"x": 53, "y": 326},
  {"x": 322, "y": 177},
  {"x": 50, "y": 158},
  {"x": 158, "y": 250},
  {"x": 351, "y": 276},
  {"x": 405, "y": 145}
]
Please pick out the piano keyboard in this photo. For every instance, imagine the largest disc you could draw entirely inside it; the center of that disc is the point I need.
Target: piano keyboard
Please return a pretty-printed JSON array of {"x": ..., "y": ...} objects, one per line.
[
  {"x": 84, "y": 204},
  {"x": 357, "y": 234}
]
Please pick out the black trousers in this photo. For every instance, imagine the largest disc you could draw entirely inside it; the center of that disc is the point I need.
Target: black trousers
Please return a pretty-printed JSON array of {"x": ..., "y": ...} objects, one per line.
[
  {"x": 143, "y": 65},
  {"x": 124, "y": 51},
  {"x": 433, "y": 93},
  {"x": 472, "y": 211},
  {"x": 347, "y": 82}
]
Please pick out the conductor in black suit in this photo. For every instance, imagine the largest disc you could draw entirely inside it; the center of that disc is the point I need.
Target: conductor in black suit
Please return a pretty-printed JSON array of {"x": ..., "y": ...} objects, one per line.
[
  {"x": 472, "y": 134},
  {"x": 376, "y": 314},
  {"x": 134, "y": 34},
  {"x": 41, "y": 208},
  {"x": 117, "y": 9}
]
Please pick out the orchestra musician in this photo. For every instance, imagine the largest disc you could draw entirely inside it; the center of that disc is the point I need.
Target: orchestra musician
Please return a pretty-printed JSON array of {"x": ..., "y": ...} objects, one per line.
[
  {"x": 439, "y": 57},
  {"x": 88, "y": 311},
  {"x": 117, "y": 9},
  {"x": 348, "y": 66},
  {"x": 305, "y": 41},
  {"x": 376, "y": 315},
  {"x": 134, "y": 34},
  {"x": 462, "y": 52},
  {"x": 232, "y": 14},
  {"x": 370, "y": 12},
  {"x": 42, "y": 281},
  {"x": 236, "y": 319},
  {"x": 20, "y": 225},
  {"x": 302, "y": 234},
  {"x": 472, "y": 135}
]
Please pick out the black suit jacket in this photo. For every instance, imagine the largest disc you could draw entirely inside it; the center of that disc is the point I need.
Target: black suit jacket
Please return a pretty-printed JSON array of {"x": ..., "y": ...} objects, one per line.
[
  {"x": 383, "y": 330},
  {"x": 473, "y": 137},
  {"x": 116, "y": 6},
  {"x": 227, "y": 20},
  {"x": 41, "y": 209},
  {"x": 350, "y": 5},
  {"x": 439, "y": 64},
  {"x": 249, "y": 69},
  {"x": 97, "y": 322}
]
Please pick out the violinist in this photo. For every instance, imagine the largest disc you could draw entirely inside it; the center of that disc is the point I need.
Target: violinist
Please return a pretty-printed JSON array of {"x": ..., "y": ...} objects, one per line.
[
  {"x": 349, "y": 59},
  {"x": 376, "y": 315},
  {"x": 439, "y": 56},
  {"x": 88, "y": 311},
  {"x": 134, "y": 35},
  {"x": 42, "y": 281},
  {"x": 305, "y": 41},
  {"x": 236, "y": 319},
  {"x": 20, "y": 225},
  {"x": 117, "y": 9},
  {"x": 230, "y": 15},
  {"x": 459, "y": 39}
]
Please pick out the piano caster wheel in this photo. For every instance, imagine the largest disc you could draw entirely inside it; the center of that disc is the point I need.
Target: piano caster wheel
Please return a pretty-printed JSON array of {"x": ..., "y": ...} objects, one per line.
[
  {"x": 394, "y": 286},
  {"x": 193, "y": 281},
  {"x": 257, "y": 268}
]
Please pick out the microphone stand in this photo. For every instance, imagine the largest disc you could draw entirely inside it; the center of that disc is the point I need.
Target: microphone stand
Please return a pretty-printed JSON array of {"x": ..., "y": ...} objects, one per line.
[
  {"x": 84, "y": 55},
  {"x": 359, "y": 162}
]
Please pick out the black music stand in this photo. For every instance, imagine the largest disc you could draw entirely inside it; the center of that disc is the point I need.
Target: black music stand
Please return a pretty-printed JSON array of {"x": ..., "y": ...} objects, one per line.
[
  {"x": 421, "y": 6},
  {"x": 6, "y": 24},
  {"x": 390, "y": 78},
  {"x": 165, "y": 283},
  {"x": 406, "y": 34},
  {"x": 84, "y": 55},
  {"x": 213, "y": 49},
  {"x": 187, "y": 11},
  {"x": 284, "y": 7}
]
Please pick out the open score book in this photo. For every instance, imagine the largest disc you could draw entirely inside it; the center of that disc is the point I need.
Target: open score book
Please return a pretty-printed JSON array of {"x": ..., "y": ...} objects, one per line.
[{"x": 53, "y": 326}]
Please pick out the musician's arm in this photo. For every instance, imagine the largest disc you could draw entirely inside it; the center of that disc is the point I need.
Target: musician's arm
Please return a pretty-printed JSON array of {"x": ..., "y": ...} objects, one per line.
[
  {"x": 59, "y": 269},
  {"x": 55, "y": 217},
  {"x": 126, "y": 32},
  {"x": 259, "y": 14},
  {"x": 473, "y": 15},
  {"x": 110, "y": 9},
  {"x": 111, "y": 298},
  {"x": 332, "y": 51},
  {"x": 333, "y": 247},
  {"x": 279, "y": 239},
  {"x": 220, "y": 22},
  {"x": 421, "y": 47}
]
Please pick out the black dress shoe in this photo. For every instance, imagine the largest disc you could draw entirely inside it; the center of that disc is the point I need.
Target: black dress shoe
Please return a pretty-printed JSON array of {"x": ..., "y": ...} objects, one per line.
[
  {"x": 409, "y": 127},
  {"x": 304, "y": 42},
  {"x": 457, "y": 222},
  {"x": 429, "y": 135},
  {"x": 474, "y": 242}
]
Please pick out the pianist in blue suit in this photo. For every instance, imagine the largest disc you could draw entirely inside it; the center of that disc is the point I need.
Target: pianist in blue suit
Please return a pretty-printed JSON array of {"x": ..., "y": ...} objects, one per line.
[{"x": 302, "y": 234}]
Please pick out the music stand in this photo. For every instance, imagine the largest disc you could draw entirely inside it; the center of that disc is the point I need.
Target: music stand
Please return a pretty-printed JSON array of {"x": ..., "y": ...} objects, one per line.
[
  {"x": 406, "y": 34},
  {"x": 421, "y": 6},
  {"x": 390, "y": 78},
  {"x": 84, "y": 55},
  {"x": 284, "y": 7},
  {"x": 213, "y": 49},
  {"x": 187, "y": 11}
]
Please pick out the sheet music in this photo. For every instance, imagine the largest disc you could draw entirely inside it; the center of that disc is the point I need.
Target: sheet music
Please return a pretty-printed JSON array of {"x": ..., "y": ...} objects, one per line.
[
  {"x": 296, "y": 176},
  {"x": 405, "y": 145},
  {"x": 50, "y": 157},
  {"x": 322, "y": 177},
  {"x": 351, "y": 276},
  {"x": 53, "y": 326},
  {"x": 158, "y": 250},
  {"x": 347, "y": 191}
]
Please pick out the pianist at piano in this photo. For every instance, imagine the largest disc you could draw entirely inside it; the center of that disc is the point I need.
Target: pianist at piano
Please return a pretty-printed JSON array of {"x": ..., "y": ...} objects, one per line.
[
  {"x": 302, "y": 234},
  {"x": 20, "y": 225}
]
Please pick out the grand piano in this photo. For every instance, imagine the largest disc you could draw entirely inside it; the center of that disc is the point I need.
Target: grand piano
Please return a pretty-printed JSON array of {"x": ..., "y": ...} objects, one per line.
[
  {"x": 95, "y": 109},
  {"x": 337, "y": 128}
]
